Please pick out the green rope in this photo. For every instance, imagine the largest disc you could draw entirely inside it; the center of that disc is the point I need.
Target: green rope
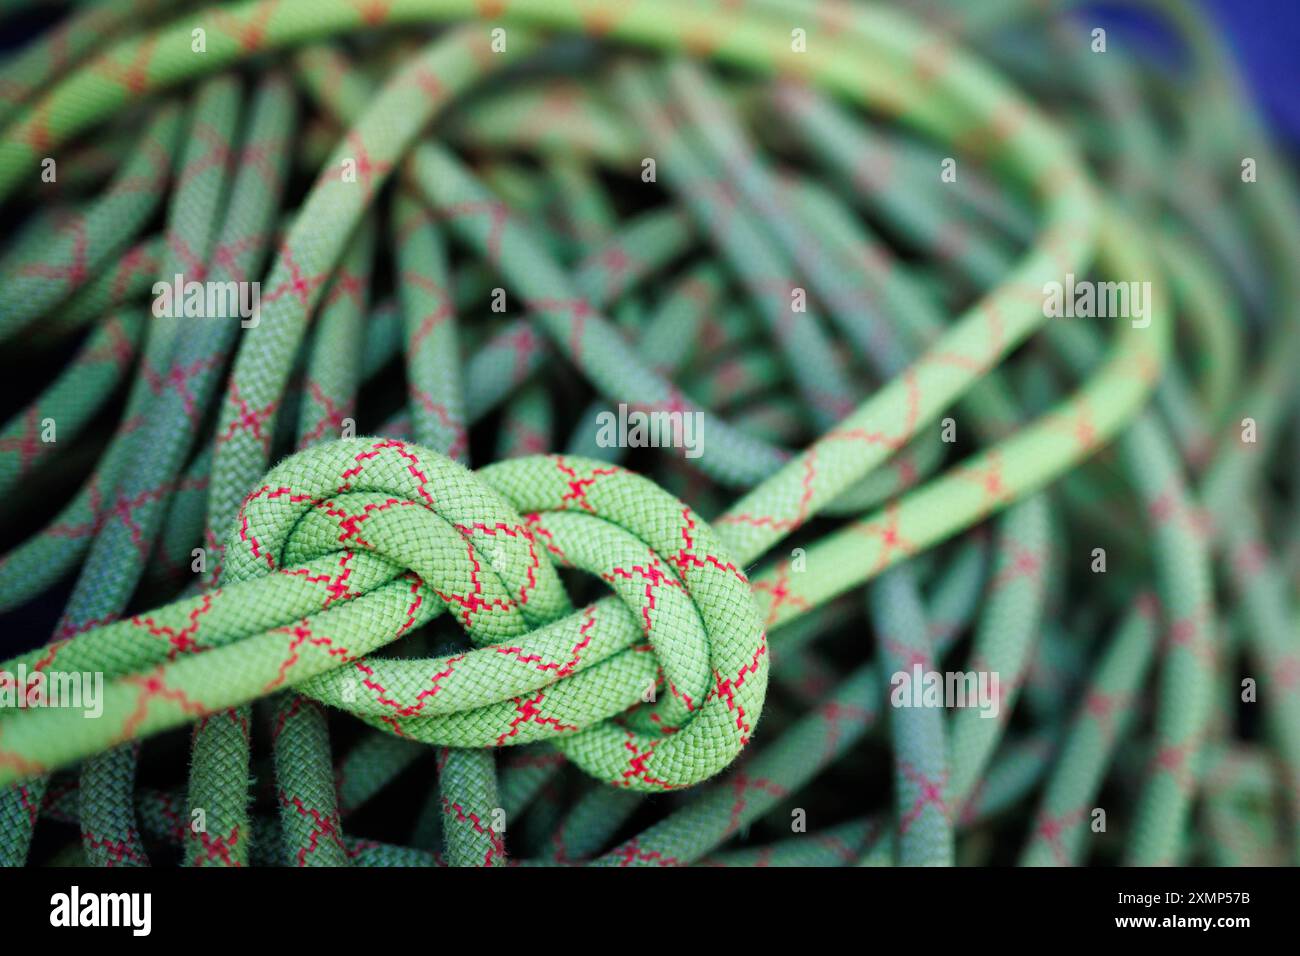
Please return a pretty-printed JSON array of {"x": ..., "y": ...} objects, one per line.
[{"x": 443, "y": 257}]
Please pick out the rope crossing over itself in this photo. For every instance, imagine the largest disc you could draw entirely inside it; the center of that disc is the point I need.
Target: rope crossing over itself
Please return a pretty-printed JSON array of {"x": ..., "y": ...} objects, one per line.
[
  {"x": 380, "y": 537},
  {"x": 822, "y": 234}
]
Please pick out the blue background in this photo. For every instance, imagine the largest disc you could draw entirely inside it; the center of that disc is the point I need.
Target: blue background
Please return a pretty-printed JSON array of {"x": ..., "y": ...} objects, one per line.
[{"x": 1265, "y": 36}]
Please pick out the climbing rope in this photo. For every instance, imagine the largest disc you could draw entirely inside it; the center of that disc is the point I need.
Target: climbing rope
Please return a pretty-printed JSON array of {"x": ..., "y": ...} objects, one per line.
[{"x": 365, "y": 538}]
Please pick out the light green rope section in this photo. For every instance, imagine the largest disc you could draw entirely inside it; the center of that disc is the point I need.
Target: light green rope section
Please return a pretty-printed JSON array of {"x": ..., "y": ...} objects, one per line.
[
  {"x": 40, "y": 279},
  {"x": 1065, "y": 817},
  {"x": 467, "y": 781},
  {"x": 219, "y": 476},
  {"x": 921, "y": 770},
  {"x": 309, "y": 818},
  {"x": 311, "y": 828},
  {"x": 432, "y": 345},
  {"x": 45, "y": 59},
  {"x": 115, "y": 562},
  {"x": 313, "y": 246},
  {"x": 605, "y": 630},
  {"x": 219, "y": 763},
  {"x": 477, "y": 556},
  {"x": 72, "y": 400},
  {"x": 466, "y": 778},
  {"x": 1004, "y": 639}
]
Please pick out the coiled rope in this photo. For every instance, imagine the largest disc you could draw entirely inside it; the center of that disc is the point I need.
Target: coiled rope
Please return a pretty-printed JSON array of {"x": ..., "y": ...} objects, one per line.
[{"x": 322, "y": 576}]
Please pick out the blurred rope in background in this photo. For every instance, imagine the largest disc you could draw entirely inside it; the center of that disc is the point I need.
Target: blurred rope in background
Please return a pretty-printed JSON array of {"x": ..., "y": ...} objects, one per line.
[{"x": 824, "y": 231}]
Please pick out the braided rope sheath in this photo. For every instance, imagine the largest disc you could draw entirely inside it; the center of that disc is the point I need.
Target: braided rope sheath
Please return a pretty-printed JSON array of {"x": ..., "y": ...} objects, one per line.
[{"x": 480, "y": 302}]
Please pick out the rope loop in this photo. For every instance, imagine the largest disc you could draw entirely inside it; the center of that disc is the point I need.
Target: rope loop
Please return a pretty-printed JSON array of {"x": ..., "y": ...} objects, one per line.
[{"x": 655, "y": 687}]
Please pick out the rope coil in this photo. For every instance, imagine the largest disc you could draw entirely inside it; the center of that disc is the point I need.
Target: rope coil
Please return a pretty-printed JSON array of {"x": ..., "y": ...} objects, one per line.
[{"x": 427, "y": 179}]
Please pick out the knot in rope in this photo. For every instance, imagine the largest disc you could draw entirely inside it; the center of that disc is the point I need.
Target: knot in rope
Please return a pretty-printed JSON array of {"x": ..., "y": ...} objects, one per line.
[{"x": 396, "y": 533}]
